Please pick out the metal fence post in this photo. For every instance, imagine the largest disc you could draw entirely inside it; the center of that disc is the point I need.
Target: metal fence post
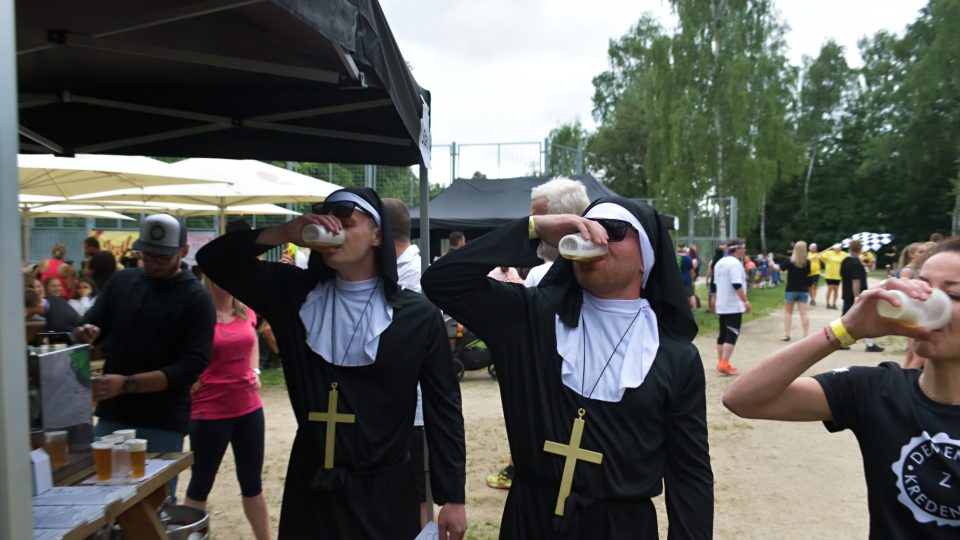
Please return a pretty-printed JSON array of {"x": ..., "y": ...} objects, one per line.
[
  {"x": 453, "y": 161},
  {"x": 733, "y": 217}
]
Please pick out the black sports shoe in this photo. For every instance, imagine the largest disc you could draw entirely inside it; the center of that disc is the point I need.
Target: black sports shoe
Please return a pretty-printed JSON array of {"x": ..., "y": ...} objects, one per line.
[{"x": 875, "y": 348}]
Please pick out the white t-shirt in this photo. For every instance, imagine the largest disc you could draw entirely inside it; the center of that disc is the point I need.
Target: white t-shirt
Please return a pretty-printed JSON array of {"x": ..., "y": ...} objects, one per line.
[
  {"x": 727, "y": 272},
  {"x": 536, "y": 274}
]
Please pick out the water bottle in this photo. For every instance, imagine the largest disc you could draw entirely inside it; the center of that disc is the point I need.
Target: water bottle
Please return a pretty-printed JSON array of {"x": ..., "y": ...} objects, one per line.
[
  {"x": 933, "y": 313},
  {"x": 318, "y": 235},
  {"x": 578, "y": 248}
]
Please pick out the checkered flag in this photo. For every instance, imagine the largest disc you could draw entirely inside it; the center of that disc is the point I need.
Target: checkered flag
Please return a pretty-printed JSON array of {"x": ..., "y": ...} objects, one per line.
[{"x": 869, "y": 241}]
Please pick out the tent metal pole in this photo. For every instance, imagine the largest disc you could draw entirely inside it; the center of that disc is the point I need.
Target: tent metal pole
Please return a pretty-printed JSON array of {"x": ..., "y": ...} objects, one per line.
[
  {"x": 16, "y": 519},
  {"x": 424, "y": 218}
]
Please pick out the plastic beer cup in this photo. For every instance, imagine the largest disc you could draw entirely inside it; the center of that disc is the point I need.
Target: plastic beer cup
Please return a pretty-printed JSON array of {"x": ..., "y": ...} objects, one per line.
[
  {"x": 55, "y": 443},
  {"x": 103, "y": 459},
  {"x": 121, "y": 460},
  {"x": 127, "y": 434},
  {"x": 138, "y": 457}
]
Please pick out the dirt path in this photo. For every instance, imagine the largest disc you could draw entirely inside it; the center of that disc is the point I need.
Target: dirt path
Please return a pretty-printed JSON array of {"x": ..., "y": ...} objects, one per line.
[{"x": 773, "y": 479}]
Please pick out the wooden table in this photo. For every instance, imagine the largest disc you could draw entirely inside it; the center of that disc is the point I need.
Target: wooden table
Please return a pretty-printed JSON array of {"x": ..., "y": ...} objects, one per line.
[{"x": 137, "y": 516}]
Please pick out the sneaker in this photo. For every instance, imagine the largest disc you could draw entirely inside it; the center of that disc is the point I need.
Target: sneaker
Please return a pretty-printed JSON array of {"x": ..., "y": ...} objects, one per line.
[
  {"x": 726, "y": 368},
  {"x": 875, "y": 348},
  {"x": 501, "y": 480}
]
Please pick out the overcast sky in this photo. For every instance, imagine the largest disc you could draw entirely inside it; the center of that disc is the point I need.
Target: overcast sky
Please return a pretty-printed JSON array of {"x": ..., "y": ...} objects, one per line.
[{"x": 512, "y": 70}]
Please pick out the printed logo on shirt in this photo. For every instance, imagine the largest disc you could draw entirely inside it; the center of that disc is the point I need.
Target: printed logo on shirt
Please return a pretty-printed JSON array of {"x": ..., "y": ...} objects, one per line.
[{"x": 928, "y": 477}]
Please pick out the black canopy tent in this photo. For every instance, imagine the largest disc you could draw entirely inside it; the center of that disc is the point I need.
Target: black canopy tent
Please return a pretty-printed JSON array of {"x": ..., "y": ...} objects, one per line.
[
  {"x": 476, "y": 206},
  {"x": 298, "y": 80}
]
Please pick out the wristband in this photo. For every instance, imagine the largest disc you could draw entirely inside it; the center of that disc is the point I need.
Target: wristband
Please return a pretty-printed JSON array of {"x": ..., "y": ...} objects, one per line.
[
  {"x": 840, "y": 332},
  {"x": 532, "y": 229},
  {"x": 256, "y": 371}
]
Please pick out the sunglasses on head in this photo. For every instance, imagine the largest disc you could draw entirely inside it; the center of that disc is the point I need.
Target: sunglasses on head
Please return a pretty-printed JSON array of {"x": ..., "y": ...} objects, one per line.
[
  {"x": 616, "y": 228},
  {"x": 338, "y": 209}
]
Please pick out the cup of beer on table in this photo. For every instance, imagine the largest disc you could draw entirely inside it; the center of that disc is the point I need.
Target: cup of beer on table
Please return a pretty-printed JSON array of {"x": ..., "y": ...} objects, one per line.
[
  {"x": 103, "y": 459},
  {"x": 127, "y": 434},
  {"x": 55, "y": 444},
  {"x": 138, "y": 457}
]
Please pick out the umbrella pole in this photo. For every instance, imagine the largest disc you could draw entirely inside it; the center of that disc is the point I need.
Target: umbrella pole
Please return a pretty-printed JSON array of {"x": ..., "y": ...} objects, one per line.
[{"x": 25, "y": 235}]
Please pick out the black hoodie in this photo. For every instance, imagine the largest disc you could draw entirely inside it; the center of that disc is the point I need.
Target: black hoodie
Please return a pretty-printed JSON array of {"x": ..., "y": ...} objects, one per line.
[{"x": 150, "y": 324}]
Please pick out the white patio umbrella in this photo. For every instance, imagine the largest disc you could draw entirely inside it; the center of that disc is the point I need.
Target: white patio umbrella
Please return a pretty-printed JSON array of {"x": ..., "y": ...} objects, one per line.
[
  {"x": 177, "y": 209},
  {"x": 51, "y": 176},
  {"x": 45, "y": 178},
  {"x": 233, "y": 182}
]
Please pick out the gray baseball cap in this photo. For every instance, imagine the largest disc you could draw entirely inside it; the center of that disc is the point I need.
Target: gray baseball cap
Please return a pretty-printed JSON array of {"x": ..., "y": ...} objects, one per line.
[{"x": 162, "y": 234}]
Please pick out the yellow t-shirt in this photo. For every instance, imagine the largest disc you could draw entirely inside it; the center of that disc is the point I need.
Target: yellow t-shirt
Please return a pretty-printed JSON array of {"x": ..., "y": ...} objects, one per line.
[
  {"x": 868, "y": 260},
  {"x": 814, "y": 259},
  {"x": 831, "y": 262}
]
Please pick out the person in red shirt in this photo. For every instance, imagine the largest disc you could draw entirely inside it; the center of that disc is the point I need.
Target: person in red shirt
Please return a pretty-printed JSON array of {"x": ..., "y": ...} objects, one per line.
[{"x": 226, "y": 408}]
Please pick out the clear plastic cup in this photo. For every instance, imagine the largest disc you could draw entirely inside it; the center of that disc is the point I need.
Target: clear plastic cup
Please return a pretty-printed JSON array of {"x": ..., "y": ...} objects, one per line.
[
  {"x": 934, "y": 313},
  {"x": 318, "y": 235},
  {"x": 578, "y": 248},
  {"x": 127, "y": 434},
  {"x": 103, "y": 459},
  {"x": 138, "y": 457},
  {"x": 121, "y": 460},
  {"x": 55, "y": 444}
]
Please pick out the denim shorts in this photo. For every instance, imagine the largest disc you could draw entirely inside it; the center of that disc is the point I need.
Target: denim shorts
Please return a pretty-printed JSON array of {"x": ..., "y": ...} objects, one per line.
[{"x": 791, "y": 296}]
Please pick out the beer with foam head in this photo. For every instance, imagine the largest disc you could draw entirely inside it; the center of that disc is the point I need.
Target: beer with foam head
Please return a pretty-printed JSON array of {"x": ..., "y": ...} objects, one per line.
[
  {"x": 138, "y": 457},
  {"x": 103, "y": 459},
  {"x": 55, "y": 444}
]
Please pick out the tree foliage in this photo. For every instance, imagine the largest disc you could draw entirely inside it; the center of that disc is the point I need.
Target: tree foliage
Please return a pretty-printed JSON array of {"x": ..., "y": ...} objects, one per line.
[{"x": 814, "y": 152}]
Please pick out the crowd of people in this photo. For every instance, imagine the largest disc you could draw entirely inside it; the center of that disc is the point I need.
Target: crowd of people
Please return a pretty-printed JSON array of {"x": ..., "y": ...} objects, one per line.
[{"x": 603, "y": 391}]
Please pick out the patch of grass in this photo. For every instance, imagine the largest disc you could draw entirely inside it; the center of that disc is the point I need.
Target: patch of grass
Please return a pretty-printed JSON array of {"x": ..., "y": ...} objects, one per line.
[
  {"x": 762, "y": 301},
  {"x": 273, "y": 377}
]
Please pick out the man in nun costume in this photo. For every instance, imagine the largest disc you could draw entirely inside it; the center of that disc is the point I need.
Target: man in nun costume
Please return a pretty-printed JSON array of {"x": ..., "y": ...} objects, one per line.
[
  {"x": 354, "y": 346},
  {"x": 602, "y": 389}
]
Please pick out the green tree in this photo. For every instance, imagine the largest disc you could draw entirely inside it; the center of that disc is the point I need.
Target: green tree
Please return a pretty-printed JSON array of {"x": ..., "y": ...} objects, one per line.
[{"x": 566, "y": 144}]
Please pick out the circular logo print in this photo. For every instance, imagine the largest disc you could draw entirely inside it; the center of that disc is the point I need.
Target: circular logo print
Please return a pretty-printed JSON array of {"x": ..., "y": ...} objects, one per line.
[
  {"x": 928, "y": 477},
  {"x": 157, "y": 232}
]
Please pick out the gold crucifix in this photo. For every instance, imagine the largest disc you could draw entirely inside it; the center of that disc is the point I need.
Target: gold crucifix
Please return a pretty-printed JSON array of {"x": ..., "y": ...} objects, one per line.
[
  {"x": 572, "y": 452},
  {"x": 332, "y": 418}
]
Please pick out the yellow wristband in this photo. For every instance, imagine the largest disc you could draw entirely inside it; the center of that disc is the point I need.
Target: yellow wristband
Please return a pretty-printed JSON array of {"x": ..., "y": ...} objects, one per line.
[
  {"x": 840, "y": 332},
  {"x": 532, "y": 229}
]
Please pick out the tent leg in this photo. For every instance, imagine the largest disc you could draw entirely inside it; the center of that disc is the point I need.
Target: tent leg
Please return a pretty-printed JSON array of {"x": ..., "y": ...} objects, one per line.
[
  {"x": 16, "y": 519},
  {"x": 424, "y": 219}
]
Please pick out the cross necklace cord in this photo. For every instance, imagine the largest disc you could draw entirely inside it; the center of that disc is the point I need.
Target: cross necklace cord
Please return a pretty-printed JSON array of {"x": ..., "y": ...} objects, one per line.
[
  {"x": 572, "y": 450},
  {"x": 331, "y": 417},
  {"x": 583, "y": 376},
  {"x": 343, "y": 358}
]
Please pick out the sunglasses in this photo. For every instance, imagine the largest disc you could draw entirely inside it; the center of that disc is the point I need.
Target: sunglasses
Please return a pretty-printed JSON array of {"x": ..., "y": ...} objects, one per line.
[
  {"x": 338, "y": 209},
  {"x": 616, "y": 229}
]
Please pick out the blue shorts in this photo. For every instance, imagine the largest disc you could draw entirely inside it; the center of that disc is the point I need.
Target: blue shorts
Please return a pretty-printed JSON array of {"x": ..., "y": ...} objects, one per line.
[{"x": 791, "y": 296}]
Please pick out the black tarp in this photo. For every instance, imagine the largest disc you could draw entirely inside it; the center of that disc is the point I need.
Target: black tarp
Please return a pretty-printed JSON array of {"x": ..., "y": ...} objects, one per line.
[
  {"x": 475, "y": 206},
  {"x": 265, "y": 79}
]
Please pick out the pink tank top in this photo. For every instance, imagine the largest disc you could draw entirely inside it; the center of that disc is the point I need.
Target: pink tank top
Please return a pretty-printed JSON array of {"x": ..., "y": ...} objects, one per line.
[{"x": 228, "y": 385}]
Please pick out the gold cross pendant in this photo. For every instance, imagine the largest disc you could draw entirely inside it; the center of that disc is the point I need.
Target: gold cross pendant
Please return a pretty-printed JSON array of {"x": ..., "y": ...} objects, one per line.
[
  {"x": 572, "y": 452},
  {"x": 332, "y": 418}
]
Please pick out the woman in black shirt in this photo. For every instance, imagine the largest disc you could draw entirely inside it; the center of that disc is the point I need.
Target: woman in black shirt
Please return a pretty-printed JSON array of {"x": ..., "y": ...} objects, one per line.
[{"x": 798, "y": 268}]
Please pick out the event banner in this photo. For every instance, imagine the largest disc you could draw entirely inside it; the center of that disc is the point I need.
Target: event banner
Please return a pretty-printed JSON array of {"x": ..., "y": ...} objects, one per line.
[{"x": 117, "y": 242}]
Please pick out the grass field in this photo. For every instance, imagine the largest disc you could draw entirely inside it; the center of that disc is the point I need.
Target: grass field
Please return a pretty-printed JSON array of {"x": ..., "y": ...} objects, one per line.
[{"x": 762, "y": 301}]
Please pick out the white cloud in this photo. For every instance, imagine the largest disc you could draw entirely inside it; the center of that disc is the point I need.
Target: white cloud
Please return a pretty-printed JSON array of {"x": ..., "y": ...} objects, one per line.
[{"x": 511, "y": 70}]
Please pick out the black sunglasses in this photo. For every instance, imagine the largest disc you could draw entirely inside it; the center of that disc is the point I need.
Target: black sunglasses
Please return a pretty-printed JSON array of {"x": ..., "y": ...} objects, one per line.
[
  {"x": 338, "y": 209},
  {"x": 616, "y": 228}
]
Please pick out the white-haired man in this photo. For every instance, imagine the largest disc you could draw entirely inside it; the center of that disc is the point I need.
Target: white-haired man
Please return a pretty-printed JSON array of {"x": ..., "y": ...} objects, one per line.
[{"x": 559, "y": 195}]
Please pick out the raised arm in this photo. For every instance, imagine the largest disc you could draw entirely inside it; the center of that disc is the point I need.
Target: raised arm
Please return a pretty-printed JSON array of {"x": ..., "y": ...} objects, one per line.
[
  {"x": 458, "y": 282},
  {"x": 231, "y": 261},
  {"x": 775, "y": 390}
]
